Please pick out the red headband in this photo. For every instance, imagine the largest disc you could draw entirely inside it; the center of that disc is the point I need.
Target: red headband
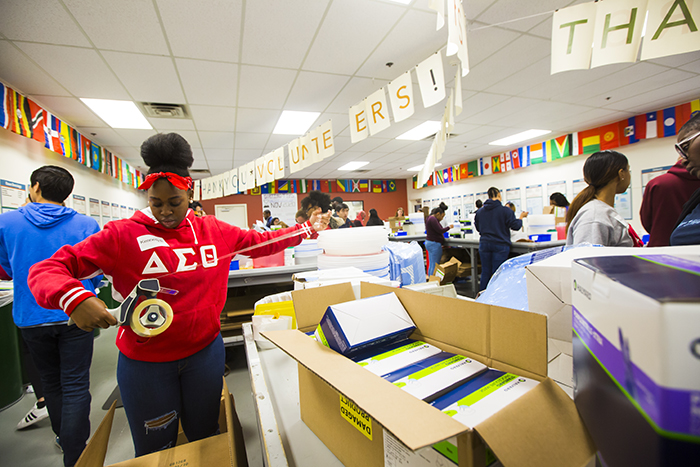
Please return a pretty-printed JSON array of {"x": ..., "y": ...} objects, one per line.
[{"x": 178, "y": 181}]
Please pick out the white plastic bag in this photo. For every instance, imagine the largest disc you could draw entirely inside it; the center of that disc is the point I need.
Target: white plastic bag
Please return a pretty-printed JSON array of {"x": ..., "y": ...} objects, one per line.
[{"x": 262, "y": 323}]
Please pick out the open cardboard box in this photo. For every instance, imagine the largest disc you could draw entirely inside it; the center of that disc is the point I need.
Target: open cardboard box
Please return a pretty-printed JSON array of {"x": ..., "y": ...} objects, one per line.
[
  {"x": 223, "y": 450},
  {"x": 353, "y": 411}
]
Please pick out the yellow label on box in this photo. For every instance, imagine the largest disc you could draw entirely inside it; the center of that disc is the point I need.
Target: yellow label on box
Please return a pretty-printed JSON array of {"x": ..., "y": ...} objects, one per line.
[{"x": 356, "y": 416}]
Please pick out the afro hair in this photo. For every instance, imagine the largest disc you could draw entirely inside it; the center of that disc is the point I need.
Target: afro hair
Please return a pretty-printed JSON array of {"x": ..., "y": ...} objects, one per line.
[
  {"x": 316, "y": 199},
  {"x": 167, "y": 152}
]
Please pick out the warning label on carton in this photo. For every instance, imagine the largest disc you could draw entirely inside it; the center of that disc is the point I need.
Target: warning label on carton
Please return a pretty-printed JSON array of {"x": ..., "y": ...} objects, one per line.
[{"x": 356, "y": 416}]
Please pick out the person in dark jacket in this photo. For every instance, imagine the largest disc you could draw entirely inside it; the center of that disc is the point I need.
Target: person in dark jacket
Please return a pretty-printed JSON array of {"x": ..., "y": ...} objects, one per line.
[
  {"x": 687, "y": 229},
  {"x": 435, "y": 237},
  {"x": 341, "y": 212},
  {"x": 374, "y": 218},
  {"x": 663, "y": 201},
  {"x": 494, "y": 223}
]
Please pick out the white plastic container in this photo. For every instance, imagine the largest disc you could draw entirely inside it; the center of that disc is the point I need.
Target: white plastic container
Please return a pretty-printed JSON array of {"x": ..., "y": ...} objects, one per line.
[
  {"x": 354, "y": 241},
  {"x": 540, "y": 224},
  {"x": 376, "y": 265},
  {"x": 307, "y": 252}
]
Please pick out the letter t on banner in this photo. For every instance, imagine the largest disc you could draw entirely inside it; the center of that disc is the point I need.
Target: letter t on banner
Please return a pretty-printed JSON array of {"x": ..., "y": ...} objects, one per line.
[
  {"x": 572, "y": 36},
  {"x": 672, "y": 28},
  {"x": 618, "y": 31},
  {"x": 401, "y": 97},
  {"x": 358, "y": 123},
  {"x": 431, "y": 79},
  {"x": 377, "y": 112}
]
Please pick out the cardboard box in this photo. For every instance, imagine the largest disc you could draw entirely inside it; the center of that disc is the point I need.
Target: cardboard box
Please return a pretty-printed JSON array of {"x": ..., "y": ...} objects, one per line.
[
  {"x": 637, "y": 356},
  {"x": 396, "y": 356},
  {"x": 434, "y": 376},
  {"x": 559, "y": 213},
  {"x": 350, "y": 409},
  {"x": 223, "y": 450},
  {"x": 447, "y": 272},
  {"x": 359, "y": 325}
]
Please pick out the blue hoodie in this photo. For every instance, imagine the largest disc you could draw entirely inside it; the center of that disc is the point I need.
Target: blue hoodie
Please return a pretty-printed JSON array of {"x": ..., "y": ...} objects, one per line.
[
  {"x": 31, "y": 234},
  {"x": 495, "y": 221}
]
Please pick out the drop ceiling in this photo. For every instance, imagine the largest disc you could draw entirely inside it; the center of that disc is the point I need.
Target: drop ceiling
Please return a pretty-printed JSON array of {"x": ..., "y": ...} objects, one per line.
[{"x": 238, "y": 64}]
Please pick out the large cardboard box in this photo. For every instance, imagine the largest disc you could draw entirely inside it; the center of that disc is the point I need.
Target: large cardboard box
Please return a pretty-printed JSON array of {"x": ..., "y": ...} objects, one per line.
[
  {"x": 362, "y": 418},
  {"x": 637, "y": 357},
  {"x": 224, "y": 450},
  {"x": 447, "y": 272}
]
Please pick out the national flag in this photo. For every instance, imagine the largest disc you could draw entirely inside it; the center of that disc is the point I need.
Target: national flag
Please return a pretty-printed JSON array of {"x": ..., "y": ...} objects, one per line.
[
  {"x": 515, "y": 158},
  {"x": 376, "y": 186},
  {"x": 575, "y": 147},
  {"x": 694, "y": 107},
  {"x": 74, "y": 137},
  {"x": 632, "y": 130},
  {"x": 473, "y": 168},
  {"x": 36, "y": 116},
  {"x": 341, "y": 186},
  {"x": 282, "y": 186},
  {"x": 505, "y": 162},
  {"x": 464, "y": 171},
  {"x": 68, "y": 149},
  {"x": 669, "y": 121},
  {"x": 302, "y": 186},
  {"x": 438, "y": 177},
  {"x": 52, "y": 130},
  {"x": 456, "y": 173},
  {"x": 4, "y": 106},
  {"x": 355, "y": 186},
  {"x": 21, "y": 115},
  {"x": 271, "y": 187},
  {"x": 364, "y": 186},
  {"x": 293, "y": 186},
  {"x": 485, "y": 166},
  {"x": 385, "y": 186},
  {"x": 315, "y": 185},
  {"x": 536, "y": 153},
  {"x": 415, "y": 182},
  {"x": 496, "y": 164},
  {"x": 255, "y": 191},
  {"x": 86, "y": 152},
  {"x": 652, "y": 130},
  {"x": 96, "y": 158},
  {"x": 683, "y": 113},
  {"x": 447, "y": 175},
  {"x": 264, "y": 189},
  {"x": 390, "y": 186},
  {"x": 431, "y": 180},
  {"x": 524, "y": 153},
  {"x": 558, "y": 148},
  {"x": 610, "y": 136},
  {"x": 589, "y": 141}
]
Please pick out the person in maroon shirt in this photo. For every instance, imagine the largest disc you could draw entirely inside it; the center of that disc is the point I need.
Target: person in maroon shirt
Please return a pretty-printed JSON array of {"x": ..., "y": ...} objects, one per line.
[
  {"x": 434, "y": 237},
  {"x": 663, "y": 201}
]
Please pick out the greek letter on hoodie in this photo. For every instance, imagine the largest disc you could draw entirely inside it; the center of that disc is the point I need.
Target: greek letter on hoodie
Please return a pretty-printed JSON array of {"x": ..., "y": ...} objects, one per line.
[{"x": 129, "y": 250}]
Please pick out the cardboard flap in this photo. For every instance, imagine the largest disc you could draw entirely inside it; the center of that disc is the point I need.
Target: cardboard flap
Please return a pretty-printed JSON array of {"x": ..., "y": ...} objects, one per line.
[
  {"x": 96, "y": 450},
  {"x": 520, "y": 339},
  {"x": 311, "y": 304},
  {"x": 541, "y": 428},
  {"x": 411, "y": 420}
]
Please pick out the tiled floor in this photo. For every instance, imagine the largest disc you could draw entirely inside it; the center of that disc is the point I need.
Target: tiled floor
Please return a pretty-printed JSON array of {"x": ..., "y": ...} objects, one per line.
[{"x": 34, "y": 446}]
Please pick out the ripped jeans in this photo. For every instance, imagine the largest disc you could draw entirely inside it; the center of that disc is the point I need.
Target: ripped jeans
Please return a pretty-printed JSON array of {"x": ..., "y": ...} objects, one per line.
[{"x": 157, "y": 396}]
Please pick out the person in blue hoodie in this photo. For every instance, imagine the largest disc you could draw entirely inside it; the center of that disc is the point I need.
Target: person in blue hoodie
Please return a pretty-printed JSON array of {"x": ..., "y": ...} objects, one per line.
[
  {"x": 494, "y": 223},
  {"x": 61, "y": 353}
]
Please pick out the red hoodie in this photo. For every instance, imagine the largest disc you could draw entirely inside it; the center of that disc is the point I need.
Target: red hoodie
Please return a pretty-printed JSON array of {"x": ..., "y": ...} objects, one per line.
[
  {"x": 664, "y": 197},
  {"x": 129, "y": 250}
]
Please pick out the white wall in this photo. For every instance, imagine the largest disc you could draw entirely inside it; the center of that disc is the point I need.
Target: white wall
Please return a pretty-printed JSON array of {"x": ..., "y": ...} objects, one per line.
[
  {"x": 645, "y": 154},
  {"x": 20, "y": 156}
]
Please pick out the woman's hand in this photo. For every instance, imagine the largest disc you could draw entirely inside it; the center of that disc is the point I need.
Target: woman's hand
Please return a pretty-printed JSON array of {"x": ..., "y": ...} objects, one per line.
[
  {"x": 320, "y": 221},
  {"x": 92, "y": 313}
]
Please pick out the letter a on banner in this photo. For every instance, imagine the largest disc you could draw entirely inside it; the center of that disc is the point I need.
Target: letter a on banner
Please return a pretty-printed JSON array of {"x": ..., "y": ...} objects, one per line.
[
  {"x": 377, "y": 112},
  {"x": 358, "y": 123},
  {"x": 326, "y": 139},
  {"x": 401, "y": 97},
  {"x": 672, "y": 28},
  {"x": 457, "y": 33},
  {"x": 431, "y": 80},
  {"x": 618, "y": 31},
  {"x": 572, "y": 36}
]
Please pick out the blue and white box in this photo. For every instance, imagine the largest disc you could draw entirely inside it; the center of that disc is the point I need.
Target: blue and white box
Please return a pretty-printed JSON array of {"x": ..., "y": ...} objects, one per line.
[
  {"x": 434, "y": 376},
  {"x": 636, "y": 322},
  {"x": 352, "y": 327},
  {"x": 396, "y": 356},
  {"x": 483, "y": 396}
]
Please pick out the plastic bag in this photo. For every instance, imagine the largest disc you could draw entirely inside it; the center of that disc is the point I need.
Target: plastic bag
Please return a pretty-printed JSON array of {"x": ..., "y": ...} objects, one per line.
[
  {"x": 262, "y": 323},
  {"x": 7, "y": 293},
  {"x": 406, "y": 262}
]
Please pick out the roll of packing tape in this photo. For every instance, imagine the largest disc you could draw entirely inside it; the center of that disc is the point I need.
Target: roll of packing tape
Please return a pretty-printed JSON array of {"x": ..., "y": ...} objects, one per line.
[{"x": 157, "y": 318}]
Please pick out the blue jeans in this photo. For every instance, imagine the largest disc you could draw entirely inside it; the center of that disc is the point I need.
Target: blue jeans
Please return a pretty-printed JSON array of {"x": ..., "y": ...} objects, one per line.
[
  {"x": 157, "y": 394},
  {"x": 62, "y": 354},
  {"x": 434, "y": 254},
  {"x": 492, "y": 256}
]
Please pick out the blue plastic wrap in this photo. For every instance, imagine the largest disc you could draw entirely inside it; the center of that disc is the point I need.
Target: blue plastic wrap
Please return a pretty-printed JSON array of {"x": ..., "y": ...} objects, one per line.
[
  {"x": 508, "y": 286},
  {"x": 406, "y": 262}
]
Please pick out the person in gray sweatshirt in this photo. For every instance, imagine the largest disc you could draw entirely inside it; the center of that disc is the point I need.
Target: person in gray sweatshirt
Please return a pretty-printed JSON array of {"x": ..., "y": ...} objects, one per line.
[{"x": 591, "y": 218}]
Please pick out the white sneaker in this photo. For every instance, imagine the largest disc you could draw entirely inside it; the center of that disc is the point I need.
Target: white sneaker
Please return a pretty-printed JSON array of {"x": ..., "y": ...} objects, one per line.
[
  {"x": 33, "y": 416},
  {"x": 30, "y": 389}
]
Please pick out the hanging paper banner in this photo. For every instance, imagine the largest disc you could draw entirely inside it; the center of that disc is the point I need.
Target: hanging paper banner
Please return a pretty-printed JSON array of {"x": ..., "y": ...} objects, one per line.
[
  {"x": 401, "y": 97},
  {"x": 218, "y": 189},
  {"x": 572, "y": 36},
  {"x": 458, "y": 91},
  {"x": 457, "y": 33},
  {"x": 269, "y": 167},
  {"x": 278, "y": 156},
  {"x": 326, "y": 139},
  {"x": 439, "y": 7},
  {"x": 226, "y": 183},
  {"x": 358, "y": 123},
  {"x": 246, "y": 177},
  {"x": 315, "y": 148},
  {"x": 672, "y": 28},
  {"x": 431, "y": 80},
  {"x": 260, "y": 172},
  {"x": 305, "y": 150},
  {"x": 618, "y": 31},
  {"x": 295, "y": 162},
  {"x": 377, "y": 112}
]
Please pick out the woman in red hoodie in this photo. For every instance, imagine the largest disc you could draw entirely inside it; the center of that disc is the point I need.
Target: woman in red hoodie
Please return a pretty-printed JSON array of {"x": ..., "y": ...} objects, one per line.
[{"x": 176, "y": 375}]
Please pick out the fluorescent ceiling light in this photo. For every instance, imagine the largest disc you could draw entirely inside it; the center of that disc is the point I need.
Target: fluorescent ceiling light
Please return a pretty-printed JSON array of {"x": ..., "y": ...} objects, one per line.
[
  {"x": 422, "y": 131},
  {"x": 118, "y": 114},
  {"x": 419, "y": 167},
  {"x": 353, "y": 165},
  {"x": 292, "y": 122},
  {"x": 525, "y": 135}
]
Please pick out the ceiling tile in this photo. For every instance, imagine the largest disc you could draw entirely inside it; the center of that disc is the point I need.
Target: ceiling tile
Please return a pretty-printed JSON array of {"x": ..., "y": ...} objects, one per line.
[
  {"x": 477, "y": 104},
  {"x": 136, "y": 137},
  {"x": 19, "y": 72},
  {"x": 289, "y": 25},
  {"x": 693, "y": 67},
  {"x": 70, "y": 110},
  {"x": 242, "y": 156},
  {"x": 205, "y": 29},
  {"x": 544, "y": 29},
  {"x": 40, "y": 21},
  {"x": 147, "y": 78},
  {"x": 218, "y": 167},
  {"x": 198, "y": 154},
  {"x": 351, "y": 29},
  {"x": 171, "y": 124},
  {"x": 104, "y": 136},
  {"x": 216, "y": 139},
  {"x": 675, "y": 94},
  {"x": 218, "y": 154},
  {"x": 567, "y": 82},
  {"x": 208, "y": 83},
  {"x": 665, "y": 79},
  {"x": 264, "y": 87},
  {"x": 676, "y": 61},
  {"x": 127, "y": 25},
  {"x": 192, "y": 137},
  {"x": 211, "y": 118},
  {"x": 354, "y": 91},
  {"x": 522, "y": 16},
  {"x": 257, "y": 120},
  {"x": 527, "y": 78},
  {"x": 482, "y": 43},
  {"x": 256, "y": 140},
  {"x": 128, "y": 152},
  {"x": 313, "y": 92},
  {"x": 80, "y": 71}
]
